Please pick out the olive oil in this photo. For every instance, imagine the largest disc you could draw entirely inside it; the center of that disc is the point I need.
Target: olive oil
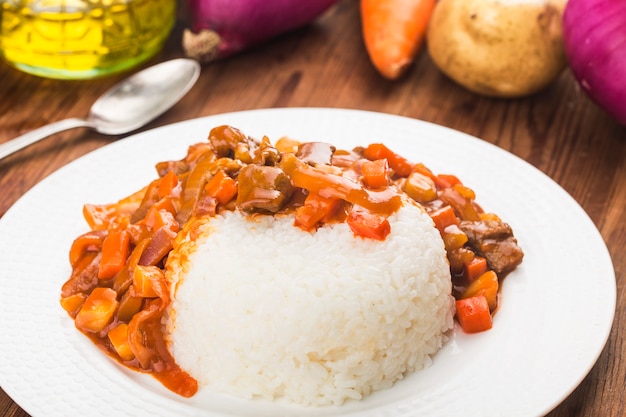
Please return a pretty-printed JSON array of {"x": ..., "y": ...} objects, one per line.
[{"x": 73, "y": 39}]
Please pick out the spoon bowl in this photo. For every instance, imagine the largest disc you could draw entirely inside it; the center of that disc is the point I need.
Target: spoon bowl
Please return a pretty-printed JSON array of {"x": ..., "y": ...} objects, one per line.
[{"x": 127, "y": 106}]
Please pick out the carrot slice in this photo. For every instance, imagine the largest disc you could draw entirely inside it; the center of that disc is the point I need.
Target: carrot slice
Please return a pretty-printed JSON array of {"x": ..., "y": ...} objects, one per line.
[
  {"x": 221, "y": 187},
  {"x": 315, "y": 209},
  {"x": 168, "y": 184},
  {"x": 474, "y": 268},
  {"x": 115, "y": 251},
  {"x": 473, "y": 314},
  {"x": 443, "y": 218},
  {"x": 446, "y": 181},
  {"x": 368, "y": 225},
  {"x": 157, "y": 218},
  {"x": 375, "y": 173},
  {"x": 400, "y": 165},
  {"x": 394, "y": 32}
]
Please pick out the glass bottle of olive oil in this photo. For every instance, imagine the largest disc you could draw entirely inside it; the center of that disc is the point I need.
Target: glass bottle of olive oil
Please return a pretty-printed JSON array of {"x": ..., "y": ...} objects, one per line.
[{"x": 73, "y": 39}]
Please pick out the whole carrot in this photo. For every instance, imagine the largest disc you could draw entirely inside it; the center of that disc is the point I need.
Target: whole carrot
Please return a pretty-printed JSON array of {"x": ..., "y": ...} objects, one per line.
[{"x": 394, "y": 32}]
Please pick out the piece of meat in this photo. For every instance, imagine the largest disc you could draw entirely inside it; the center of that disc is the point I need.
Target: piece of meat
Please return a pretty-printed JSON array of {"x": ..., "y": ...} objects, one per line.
[
  {"x": 494, "y": 240},
  {"x": 314, "y": 153},
  {"x": 263, "y": 188}
]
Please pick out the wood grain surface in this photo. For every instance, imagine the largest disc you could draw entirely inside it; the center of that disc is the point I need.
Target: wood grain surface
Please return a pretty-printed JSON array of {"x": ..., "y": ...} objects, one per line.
[{"x": 559, "y": 131}]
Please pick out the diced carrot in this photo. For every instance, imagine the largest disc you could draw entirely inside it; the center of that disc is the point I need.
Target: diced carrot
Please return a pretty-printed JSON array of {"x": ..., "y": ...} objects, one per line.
[
  {"x": 221, "y": 187},
  {"x": 420, "y": 187},
  {"x": 400, "y": 165},
  {"x": 119, "y": 339},
  {"x": 473, "y": 314},
  {"x": 166, "y": 204},
  {"x": 115, "y": 251},
  {"x": 146, "y": 280},
  {"x": 73, "y": 303},
  {"x": 486, "y": 285},
  {"x": 158, "y": 218},
  {"x": 97, "y": 310},
  {"x": 316, "y": 209},
  {"x": 446, "y": 180},
  {"x": 474, "y": 268},
  {"x": 168, "y": 184},
  {"x": 375, "y": 173},
  {"x": 443, "y": 218},
  {"x": 368, "y": 225},
  {"x": 307, "y": 217},
  {"x": 124, "y": 278}
]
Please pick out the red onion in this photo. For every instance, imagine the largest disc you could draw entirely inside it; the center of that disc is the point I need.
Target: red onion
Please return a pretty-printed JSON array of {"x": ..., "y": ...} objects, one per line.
[
  {"x": 594, "y": 33},
  {"x": 224, "y": 27}
]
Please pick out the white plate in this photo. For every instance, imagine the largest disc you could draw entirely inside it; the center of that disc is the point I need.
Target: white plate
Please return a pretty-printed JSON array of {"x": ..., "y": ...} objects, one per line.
[{"x": 555, "y": 318}]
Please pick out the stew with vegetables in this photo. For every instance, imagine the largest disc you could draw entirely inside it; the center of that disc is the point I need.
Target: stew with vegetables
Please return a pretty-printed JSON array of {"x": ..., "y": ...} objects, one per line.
[{"x": 117, "y": 292}]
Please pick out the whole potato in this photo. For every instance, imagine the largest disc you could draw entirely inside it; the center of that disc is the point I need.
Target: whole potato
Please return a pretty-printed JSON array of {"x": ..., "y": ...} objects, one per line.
[{"x": 499, "y": 48}]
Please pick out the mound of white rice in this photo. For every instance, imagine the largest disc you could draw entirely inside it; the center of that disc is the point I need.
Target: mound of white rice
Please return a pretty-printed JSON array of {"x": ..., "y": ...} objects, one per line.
[{"x": 264, "y": 309}]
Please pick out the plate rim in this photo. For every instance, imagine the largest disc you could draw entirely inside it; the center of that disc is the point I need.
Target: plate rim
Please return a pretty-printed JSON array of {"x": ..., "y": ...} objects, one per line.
[{"x": 124, "y": 142}]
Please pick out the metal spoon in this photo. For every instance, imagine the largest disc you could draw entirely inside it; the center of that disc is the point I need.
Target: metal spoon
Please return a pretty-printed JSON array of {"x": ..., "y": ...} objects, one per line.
[{"x": 127, "y": 106}]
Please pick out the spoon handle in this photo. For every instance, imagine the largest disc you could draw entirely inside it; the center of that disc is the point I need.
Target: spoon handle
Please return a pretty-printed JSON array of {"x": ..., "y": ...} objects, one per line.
[{"x": 36, "y": 135}]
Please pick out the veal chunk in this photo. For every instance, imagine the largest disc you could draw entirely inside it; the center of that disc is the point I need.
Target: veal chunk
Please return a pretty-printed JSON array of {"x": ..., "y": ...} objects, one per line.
[{"x": 494, "y": 240}]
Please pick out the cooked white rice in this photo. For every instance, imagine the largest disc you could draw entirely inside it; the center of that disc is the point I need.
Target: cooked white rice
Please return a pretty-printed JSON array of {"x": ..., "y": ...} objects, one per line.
[{"x": 264, "y": 309}]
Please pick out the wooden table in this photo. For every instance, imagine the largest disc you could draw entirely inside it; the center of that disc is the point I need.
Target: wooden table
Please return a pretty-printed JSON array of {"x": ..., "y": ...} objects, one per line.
[{"x": 560, "y": 131}]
